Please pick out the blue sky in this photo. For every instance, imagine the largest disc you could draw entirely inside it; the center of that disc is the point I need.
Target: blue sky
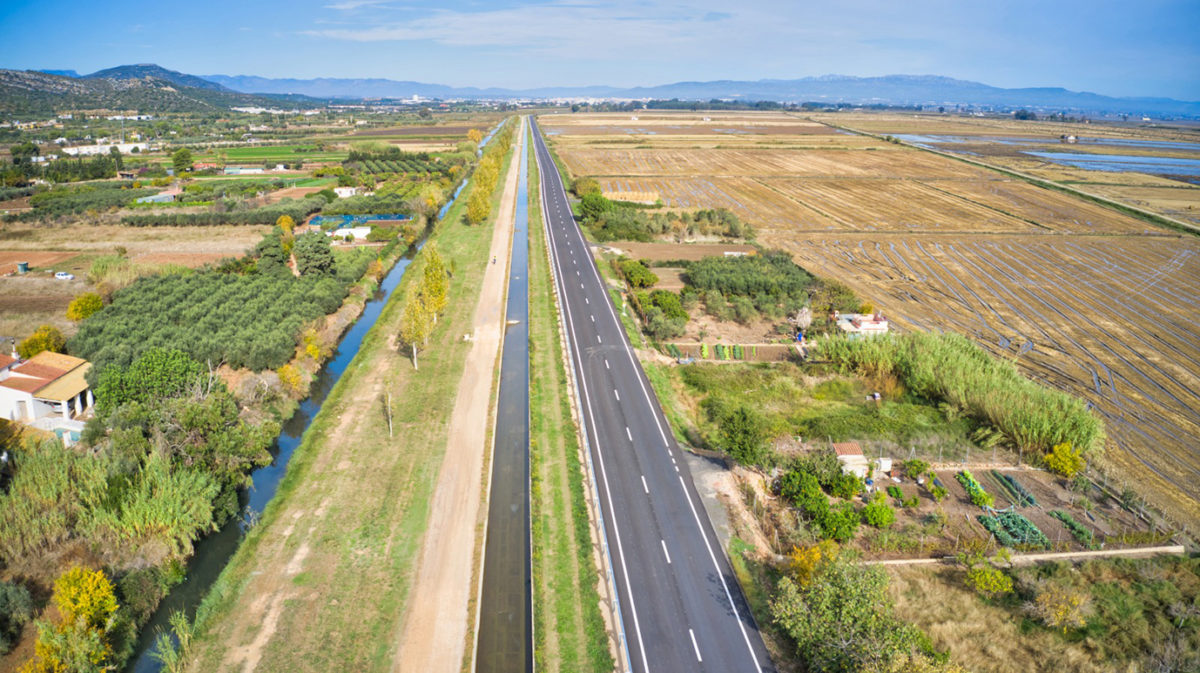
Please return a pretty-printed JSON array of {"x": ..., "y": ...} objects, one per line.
[{"x": 1145, "y": 48}]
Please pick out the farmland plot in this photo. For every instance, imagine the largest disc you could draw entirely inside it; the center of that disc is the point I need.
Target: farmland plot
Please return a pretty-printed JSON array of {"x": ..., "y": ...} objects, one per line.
[
  {"x": 1054, "y": 210},
  {"x": 1108, "y": 319},
  {"x": 749, "y": 199},
  {"x": 765, "y": 162}
]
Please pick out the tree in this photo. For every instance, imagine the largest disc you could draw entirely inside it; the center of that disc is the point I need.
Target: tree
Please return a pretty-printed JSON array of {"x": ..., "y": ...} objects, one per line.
[
  {"x": 478, "y": 206},
  {"x": 84, "y": 306},
  {"x": 743, "y": 435},
  {"x": 435, "y": 283},
  {"x": 286, "y": 223},
  {"x": 313, "y": 255},
  {"x": 593, "y": 206},
  {"x": 115, "y": 153},
  {"x": 425, "y": 113},
  {"x": 22, "y": 152},
  {"x": 475, "y": 136},
  {"x": 843, "y": 620},
  {"x": 158, "y": 374},
  {"x": 45, "y": 338},
  {"x": 415, "y": 324},
  {"x": 181, "y": 159}
]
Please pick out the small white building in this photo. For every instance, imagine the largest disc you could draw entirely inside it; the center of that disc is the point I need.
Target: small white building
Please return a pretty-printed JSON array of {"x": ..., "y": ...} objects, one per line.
[
  {"x": 46, "y": 384},
  {"x": 91, "y": 150},
  {"x": 851, "y": 456},
  {"x": 359, "y": 233},
  {"x": 345, "y": 192},
  {"x": 861, "y": 324}
]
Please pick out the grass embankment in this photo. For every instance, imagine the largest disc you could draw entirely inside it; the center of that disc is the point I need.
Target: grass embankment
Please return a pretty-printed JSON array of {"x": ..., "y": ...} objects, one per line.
[
  {"x": 569, "y": 629},
  {"x": 321, "y": 582}
]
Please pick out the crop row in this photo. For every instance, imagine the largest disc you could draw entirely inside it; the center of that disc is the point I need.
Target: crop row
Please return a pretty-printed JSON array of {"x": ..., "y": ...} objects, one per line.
[
  {"x": 979, "y": 497},
  {"x": 1019, "y": 495},
  {"x": 1012, "y": 529}
]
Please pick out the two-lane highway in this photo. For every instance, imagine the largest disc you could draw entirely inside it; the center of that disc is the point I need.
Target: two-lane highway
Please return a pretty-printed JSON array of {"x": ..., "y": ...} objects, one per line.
[{"x": 680, "y": 607}]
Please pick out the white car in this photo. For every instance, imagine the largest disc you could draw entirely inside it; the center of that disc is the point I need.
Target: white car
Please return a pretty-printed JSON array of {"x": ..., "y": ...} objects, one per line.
[{"x": 63, "y": 275}]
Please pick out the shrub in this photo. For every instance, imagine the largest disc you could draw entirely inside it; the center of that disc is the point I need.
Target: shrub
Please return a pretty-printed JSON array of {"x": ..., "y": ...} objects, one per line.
[
  {"x": 1059, "y": 607},
  {"x": 840, "y": 522},
  {"x": 804, "y": 562},
  {"x": 939, "y": 493},
  {"x": 83, "y": 306},
  {"x": 1064, "y": 460},
  {"x": 989, "y": 581},
  {"x": 846, "y": 486},
  {"x": 91, "y": 631},
  {"x": 16, "y": 609},
  {"x": 878, "y": 514},
  {"x": 914, "y": 468},
  {"x": 636, "y": 273},
  {"x": 44, "y": 338},
  {"x": 978, "y": 496}
]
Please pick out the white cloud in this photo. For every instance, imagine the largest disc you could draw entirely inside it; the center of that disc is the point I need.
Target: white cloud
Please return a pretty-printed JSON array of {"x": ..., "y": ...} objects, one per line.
[{"x": 347, "y": 5}]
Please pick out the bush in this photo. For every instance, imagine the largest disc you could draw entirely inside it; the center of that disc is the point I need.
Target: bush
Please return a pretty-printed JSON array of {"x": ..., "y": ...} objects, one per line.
[
  {"x": 846, "y": 486},
  {"x": 84, "y": 306},
  {"x": 914, "y": 468},
  {"x": 636, "y": 273},
  {"x": 1064, "y": 460},
  {"x": 878, "y": 514},
  {"x": 840, "y": 523},
  {"x": 16, "y": 609},
  {"x": 989, "y": 581}
]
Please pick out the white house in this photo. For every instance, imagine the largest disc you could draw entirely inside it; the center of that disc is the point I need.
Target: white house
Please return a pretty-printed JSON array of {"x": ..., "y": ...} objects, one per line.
[
  {"x": 345, "y": 192},
  {"x": 47, "y": 384}
]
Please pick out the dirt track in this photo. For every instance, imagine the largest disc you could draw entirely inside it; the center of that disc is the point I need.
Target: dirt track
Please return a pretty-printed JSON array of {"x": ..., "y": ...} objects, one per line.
[{"x": 436, "y": 629}]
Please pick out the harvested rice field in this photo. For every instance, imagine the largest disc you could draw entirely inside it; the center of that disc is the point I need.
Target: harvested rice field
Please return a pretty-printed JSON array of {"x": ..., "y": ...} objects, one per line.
[{"x": 1088, "y": 299}]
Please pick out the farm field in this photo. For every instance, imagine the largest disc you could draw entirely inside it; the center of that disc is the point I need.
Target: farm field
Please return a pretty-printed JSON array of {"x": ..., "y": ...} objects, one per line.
[
  {"x": 36, "y": 299},
  {"x": 1102, "y": 298}
]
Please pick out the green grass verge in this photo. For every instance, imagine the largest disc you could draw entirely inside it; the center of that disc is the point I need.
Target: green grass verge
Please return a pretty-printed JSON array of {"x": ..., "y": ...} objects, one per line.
[{"x": 570, "y": 632}]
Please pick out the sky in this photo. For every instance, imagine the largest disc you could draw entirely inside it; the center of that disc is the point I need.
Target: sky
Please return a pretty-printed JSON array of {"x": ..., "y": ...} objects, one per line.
[{"x": 1144, "y": 48}]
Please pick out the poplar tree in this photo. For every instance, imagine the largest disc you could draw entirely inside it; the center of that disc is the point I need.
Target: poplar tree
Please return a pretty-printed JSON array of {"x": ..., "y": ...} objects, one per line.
[{"x": 415, "y": 324}]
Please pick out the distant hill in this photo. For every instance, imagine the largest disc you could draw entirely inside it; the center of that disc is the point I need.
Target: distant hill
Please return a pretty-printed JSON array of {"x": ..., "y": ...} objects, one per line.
[
  {"x": 63, "y": 73},
  {"x": 33, "y": 92},
  {"x": 831, "y": 89},
  {"x": 144, "y": 70},
  {"x": 890, "y": 89}
]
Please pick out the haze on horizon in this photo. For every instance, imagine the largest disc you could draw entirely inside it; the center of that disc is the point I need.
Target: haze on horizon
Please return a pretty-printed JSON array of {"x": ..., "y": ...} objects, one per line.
[{"x": 1113, "y": 48}]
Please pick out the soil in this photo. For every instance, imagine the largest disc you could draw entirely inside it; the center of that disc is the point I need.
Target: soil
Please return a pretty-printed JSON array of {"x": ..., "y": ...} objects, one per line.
[
  {"x": 447, "y": 560},
  {"x": 36, "y": 259}
]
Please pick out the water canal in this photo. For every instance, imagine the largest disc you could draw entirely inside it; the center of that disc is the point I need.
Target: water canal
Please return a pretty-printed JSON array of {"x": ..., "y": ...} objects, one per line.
[{"x": 505, "y": 636}]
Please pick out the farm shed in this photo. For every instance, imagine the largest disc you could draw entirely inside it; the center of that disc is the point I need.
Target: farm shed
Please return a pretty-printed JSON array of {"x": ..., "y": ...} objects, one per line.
[
  {"x": 861, "y": 324},
  {"x": 851, "y": 456},
  {"x": 45, "y": 385}
]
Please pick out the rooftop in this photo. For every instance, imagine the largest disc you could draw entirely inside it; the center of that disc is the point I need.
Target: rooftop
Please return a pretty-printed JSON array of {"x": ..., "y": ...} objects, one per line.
[{"x": 847, "y": 449}]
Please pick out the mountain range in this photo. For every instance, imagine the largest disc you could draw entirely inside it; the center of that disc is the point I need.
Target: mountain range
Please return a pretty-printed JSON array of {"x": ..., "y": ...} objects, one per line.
[{"x": 831, "y": 89}]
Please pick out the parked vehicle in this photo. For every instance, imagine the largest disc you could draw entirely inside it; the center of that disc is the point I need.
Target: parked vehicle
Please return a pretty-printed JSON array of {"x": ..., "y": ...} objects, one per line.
[{"x": 64, "y": 275}]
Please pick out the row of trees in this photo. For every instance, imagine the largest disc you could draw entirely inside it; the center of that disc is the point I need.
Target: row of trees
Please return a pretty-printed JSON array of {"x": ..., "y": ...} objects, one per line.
[
  {"x": 487, "y": 175},
  {"x": 298, "y": 210},
  {"x": 425, "y": 303}
]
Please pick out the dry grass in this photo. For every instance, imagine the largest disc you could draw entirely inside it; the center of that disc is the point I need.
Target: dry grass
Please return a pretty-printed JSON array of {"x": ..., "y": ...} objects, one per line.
[{"x": 981, "y": 637}]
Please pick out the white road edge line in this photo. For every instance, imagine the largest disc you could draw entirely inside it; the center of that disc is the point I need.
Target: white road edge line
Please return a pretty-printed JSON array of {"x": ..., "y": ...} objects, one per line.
[{"x": 617, "y": 393}]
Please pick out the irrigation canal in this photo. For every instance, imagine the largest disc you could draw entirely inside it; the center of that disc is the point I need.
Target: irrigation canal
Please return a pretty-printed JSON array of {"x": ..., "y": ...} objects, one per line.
[
  {"x": 213, "y": 552},
  {"x": 505, "y": 635}
]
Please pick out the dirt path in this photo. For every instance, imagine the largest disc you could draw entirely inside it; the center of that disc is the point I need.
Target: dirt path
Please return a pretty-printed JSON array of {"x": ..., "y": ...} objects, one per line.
[
  {"x": 1018, "y": 559},
  {"x": 435, "y": 632}
]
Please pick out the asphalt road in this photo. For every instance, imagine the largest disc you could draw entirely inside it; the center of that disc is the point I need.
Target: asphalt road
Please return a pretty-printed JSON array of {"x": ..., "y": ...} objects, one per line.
[{"x": 680, "y": 605}]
